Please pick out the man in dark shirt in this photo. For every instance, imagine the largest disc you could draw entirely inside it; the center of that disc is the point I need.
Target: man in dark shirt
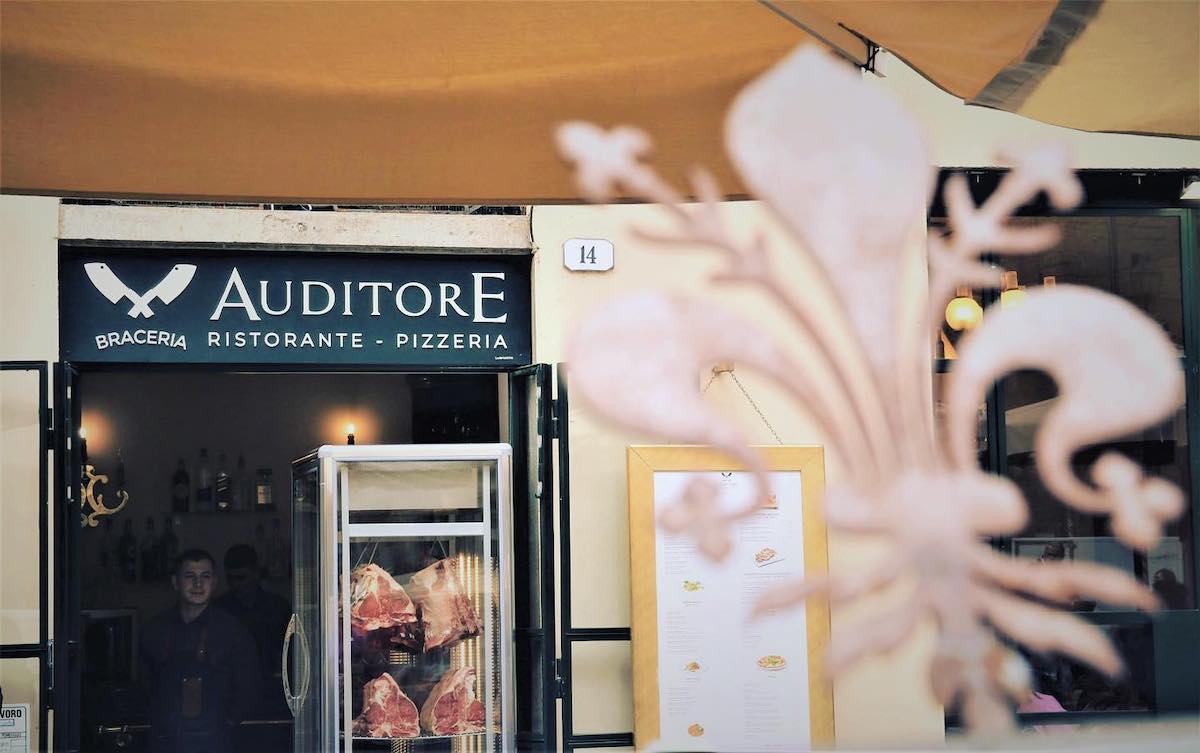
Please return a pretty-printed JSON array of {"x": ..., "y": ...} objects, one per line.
[
  {"x": 264, "y": 614},
  {"x": 198, "y": 665}
]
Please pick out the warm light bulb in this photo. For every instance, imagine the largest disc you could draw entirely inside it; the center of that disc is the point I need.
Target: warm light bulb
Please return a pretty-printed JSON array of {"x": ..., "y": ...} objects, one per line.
[
  {"x": 1012, "y": 297},
  {"x": 82, "y": 432},
  {"x": 349, "y": 428},
  {"x": 1013, "y": 294},
  {"x": 963, "y": 312}
]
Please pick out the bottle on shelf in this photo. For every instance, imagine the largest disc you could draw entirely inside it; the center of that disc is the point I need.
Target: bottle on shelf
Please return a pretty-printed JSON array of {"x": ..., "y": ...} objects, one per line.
[
  {"x": 223, "y": 485},
  {"x": 168, "y": 547},
  {"x": 278, "y": 567},
  {"x": 204, "y": 484},
  {"x": 181, "y": 488},
  {"x": 243, "y": 487},
  {"x": 148, "y": 558},
  {"x": 127, "y": 553},
  {"x": 263, "y": 501}
]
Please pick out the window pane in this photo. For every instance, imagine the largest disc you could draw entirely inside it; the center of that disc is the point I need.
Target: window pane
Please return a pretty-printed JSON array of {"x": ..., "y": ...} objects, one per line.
[
  {"x": 601, "y": 687},
  {"x": 1134, "y": 257},
  {"x": 1058, "y": 532},
  {"x": 19, "y": 555},
  {"x": 19, "y": 679},
  {"x": 1076, "y": 687},
  {"x": 939, "y": 411},
  {"x": 528, "y": 681}
]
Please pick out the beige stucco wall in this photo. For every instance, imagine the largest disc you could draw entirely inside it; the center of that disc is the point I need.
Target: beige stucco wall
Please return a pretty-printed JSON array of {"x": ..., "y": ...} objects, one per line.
[{"x": 28, "y": 332}]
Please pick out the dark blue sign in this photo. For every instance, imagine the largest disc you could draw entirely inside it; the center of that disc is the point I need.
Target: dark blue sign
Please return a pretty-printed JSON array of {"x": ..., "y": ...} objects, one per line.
[{"x": 297, "y": 308}]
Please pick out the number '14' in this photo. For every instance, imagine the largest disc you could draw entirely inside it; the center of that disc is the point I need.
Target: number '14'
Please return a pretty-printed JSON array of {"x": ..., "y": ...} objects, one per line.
[{"x": 587, "y": 255}]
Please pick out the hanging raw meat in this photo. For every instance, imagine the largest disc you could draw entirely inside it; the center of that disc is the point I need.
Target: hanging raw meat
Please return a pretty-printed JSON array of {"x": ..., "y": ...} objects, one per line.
[
  {"x": 446, "y": 612},
  {"x": 386, "y": 711},
  {"x": 377, "y": 601},
  {"x": 451, "y": 708}
]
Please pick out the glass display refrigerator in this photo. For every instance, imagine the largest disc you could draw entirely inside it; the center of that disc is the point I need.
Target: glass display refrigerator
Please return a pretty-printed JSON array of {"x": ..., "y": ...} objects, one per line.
[{"x": 400, "y": 636}]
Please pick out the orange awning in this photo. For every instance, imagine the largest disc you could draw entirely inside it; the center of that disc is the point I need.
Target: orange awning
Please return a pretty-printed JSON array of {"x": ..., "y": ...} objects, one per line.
[{"x": 455, "y": 102}]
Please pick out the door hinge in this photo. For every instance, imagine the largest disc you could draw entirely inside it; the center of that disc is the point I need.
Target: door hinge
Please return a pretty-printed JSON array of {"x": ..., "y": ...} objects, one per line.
[
  {"x": 49, "y": 689},
  {"x": 50, "y": 433},
  {"x": 555, "y": 418},
  {"x": 560, "y": 687}
]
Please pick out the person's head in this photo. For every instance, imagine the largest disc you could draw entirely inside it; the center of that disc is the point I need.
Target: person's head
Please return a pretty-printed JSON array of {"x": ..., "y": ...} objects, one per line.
[
  {"x": 195, "y": 577},
  {"x": 1165, "y": 578},
  {"x": 241, "y": 570},
  {"x": 1054, "y": 552}
]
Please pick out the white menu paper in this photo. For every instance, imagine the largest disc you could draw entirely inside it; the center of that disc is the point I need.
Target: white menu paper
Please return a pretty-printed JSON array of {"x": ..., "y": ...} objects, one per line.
[{"x": 726, "y": 683}]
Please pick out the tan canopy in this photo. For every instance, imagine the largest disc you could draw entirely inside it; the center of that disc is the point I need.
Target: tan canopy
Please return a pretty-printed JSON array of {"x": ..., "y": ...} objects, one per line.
[{"x": 455, "y": 102}]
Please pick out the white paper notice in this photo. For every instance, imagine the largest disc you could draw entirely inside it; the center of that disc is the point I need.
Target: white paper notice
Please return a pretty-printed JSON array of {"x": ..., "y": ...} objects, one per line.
[
  {"x": 726, "y": 683},
  {"x": 14, "y": 728}
]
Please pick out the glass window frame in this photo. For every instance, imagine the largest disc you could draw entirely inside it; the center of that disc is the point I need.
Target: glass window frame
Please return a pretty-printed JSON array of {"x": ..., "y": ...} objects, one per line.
[{"x": 1174, "y": 699}]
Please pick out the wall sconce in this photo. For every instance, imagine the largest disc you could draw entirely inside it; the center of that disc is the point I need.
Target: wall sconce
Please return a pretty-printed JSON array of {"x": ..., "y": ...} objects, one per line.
[
  {"x": 349, "y": 433},
  {"x": 90, "y": 479},
  {"x": 1013, "y": 294},
  {"x": 963, "y": 311}
]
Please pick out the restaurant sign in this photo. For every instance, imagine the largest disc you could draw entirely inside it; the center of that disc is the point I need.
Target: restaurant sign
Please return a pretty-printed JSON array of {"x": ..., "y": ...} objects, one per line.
[{"x": 297, "y": 308}]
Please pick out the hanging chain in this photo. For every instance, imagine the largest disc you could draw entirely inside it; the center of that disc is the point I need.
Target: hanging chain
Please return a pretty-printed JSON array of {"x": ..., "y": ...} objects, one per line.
[{"x": 749, "y": 399}]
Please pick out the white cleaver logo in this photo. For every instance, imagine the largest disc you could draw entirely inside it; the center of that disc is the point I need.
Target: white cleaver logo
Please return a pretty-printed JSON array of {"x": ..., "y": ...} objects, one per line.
[{"x": 167, "y": 289}]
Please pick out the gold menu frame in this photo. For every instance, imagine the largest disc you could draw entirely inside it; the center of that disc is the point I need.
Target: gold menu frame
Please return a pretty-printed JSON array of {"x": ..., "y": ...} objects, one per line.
[{"x": 643, "y": 461}]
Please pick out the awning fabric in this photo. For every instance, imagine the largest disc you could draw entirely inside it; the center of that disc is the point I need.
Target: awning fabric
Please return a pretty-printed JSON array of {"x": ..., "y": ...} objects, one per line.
[{"x": 455, "y": 102}]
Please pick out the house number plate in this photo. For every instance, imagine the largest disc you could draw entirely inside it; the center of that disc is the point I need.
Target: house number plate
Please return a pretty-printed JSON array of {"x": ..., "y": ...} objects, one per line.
[{"x": 588, "y": 255}]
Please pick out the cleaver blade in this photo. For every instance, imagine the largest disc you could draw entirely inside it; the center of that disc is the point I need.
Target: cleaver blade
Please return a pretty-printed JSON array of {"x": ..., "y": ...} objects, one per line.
[{"x": 106, "y": 281}]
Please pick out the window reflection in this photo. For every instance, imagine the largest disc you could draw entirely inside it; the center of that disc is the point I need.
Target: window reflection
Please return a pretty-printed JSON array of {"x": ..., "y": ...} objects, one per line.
[
  {"x": 1078, "y": 687},
  {"x": 981, "y": 428},
  {"x": 1056, "y": 531},
  {"x": 1134, "y": 257}
]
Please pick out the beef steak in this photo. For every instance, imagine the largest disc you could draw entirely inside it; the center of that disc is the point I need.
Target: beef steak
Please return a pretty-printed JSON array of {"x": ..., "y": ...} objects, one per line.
[
  {"x": 386, "y": 711},
  {"x": 451, "y": 708},
  {"x": 377, "y": 601},
  {"x": 446, "y": 612}
]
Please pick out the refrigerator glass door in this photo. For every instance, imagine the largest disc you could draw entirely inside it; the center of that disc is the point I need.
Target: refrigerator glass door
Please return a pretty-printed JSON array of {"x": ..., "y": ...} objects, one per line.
[
  {"x": 419, "y": 579},
  {"x": 303, "y": 664}
]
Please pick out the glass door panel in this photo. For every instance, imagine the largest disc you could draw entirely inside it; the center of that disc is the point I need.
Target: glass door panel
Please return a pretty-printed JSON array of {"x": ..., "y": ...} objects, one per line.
[{"x": 303, "y": 665}]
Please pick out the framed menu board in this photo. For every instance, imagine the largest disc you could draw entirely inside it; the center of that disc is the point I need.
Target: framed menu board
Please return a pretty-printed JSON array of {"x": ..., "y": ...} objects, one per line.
[{"x": 705, "y": 676}]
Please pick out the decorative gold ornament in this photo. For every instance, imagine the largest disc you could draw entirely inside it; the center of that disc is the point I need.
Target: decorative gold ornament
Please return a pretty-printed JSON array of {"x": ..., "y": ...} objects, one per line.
[{"x": 96, "y": 501}]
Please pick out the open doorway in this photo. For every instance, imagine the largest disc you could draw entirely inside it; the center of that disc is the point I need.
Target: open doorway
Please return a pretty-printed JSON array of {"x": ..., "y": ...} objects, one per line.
[{"x": 205, "y": 460}]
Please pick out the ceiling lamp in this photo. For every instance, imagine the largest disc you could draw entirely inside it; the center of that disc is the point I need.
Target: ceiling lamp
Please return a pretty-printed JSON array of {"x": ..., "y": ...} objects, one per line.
[
  {"x": 963, "y": 311},
  {"x": 1013, "y": 293}
]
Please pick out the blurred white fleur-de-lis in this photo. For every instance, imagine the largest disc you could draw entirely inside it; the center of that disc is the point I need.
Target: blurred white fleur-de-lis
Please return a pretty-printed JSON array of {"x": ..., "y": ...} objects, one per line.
[{"x": 847, "y": 172}]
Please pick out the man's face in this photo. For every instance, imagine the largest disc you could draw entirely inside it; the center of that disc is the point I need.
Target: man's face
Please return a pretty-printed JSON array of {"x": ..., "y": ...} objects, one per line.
[{"x": 195, "y": 582}]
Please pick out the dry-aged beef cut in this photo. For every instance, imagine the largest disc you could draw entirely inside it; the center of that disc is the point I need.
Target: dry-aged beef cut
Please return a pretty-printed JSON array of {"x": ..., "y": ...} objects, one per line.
[
  {"x": 451, "y": 708},
  {"x": 446, "y": 612},
  {"x": 377, "y": 601},
  {"x": 386, "y": 711}
]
